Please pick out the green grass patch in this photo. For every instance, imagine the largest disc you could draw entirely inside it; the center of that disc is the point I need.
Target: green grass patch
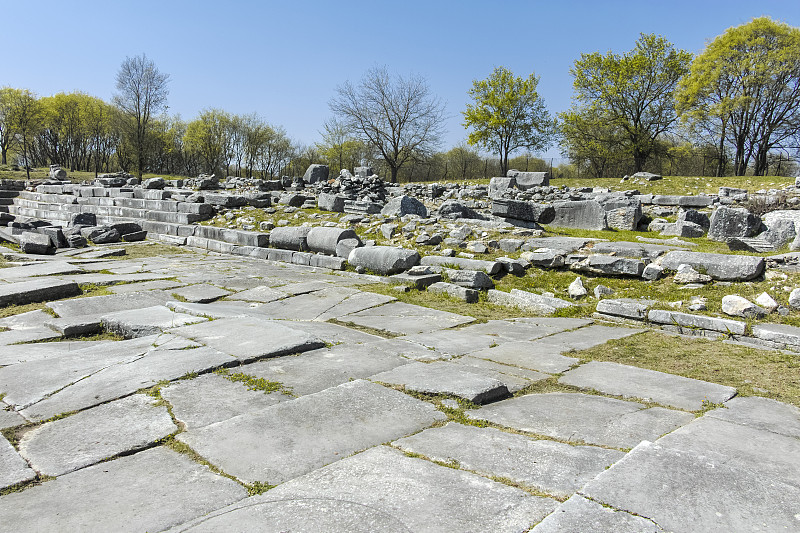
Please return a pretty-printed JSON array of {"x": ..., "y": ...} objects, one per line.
[{"x": 254, "y": 383}]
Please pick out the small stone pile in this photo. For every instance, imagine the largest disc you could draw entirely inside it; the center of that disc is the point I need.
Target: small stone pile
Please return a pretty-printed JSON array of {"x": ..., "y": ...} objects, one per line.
[{"x": 370, "y": 188}]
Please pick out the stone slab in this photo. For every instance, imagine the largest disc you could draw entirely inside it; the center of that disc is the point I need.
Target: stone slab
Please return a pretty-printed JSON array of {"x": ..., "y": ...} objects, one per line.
[
  {"x": 581, "y": 515},
  {"x": 271, "y": 446},
  {"x": 774, "y": 456},
  {"x": 718, "y": 266},
  {"x": 30, "y": 382},
  {"x": 525, "y": 329},
  {"x": 9, "y": 418},
  {"x": 761, "y": 413},
  {"x": 453, "y": 342},
  {"x": 781, "y": 333},
  {"x": 159, "y": 284},
  {"x": 632, "y": 382},
  {"x": 13, "y": 468},
  {"x": 148, "y": 491},
  {"x": 126, "y": 377},
  {"x": 111, "y": 303},
  {"x": 201, "y": 293},
  {"x": 261, "y": 294},
  {"x": 441, "y": 377},
  {"x": 683, "y": 491},
  {"x": 88, "y": 437},
  {"x": 211, "y": 398},
  {"x": 406, "y": 493},
  {"x": 406, "y": 319},
  {"x": 547, "y": 466},
  {"x": 318, "y": 370},
  {"x": 320, "y": 515},
  {"x": 576, "y": 417},
  {"x": 334, "y": 334},
  {"x": 37, "y": 290},
  {"x": 474, "y": 364},
  {"x": 527, "y": 354},
  {"x": 723, "y": 325},
  {"x": 44, "y": 268},
  {"x": 249, "y": 339},
  {"x": 146, "y": 321}
]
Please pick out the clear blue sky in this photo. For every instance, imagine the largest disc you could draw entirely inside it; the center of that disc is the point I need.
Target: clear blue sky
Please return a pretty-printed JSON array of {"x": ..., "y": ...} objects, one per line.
[{"x": 285, "y": 59}]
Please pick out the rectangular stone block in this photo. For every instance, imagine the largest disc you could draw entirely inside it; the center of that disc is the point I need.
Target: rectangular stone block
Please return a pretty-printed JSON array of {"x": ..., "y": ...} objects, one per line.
[{"x": 687, "y": 320}]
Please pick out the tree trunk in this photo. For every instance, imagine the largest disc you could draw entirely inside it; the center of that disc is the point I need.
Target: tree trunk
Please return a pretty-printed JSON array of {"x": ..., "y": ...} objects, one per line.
[{"x": 394, "y": 174}]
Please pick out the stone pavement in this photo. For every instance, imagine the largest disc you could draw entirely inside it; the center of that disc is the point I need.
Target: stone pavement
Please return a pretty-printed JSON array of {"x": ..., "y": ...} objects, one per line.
[{"x": 250, "y": 395}]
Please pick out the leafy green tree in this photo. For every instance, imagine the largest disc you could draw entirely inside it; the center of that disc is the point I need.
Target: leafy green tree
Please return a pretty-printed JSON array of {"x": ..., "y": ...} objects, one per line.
[
  {"x": 463, "y": 162},
  {"x": 398, "y": 117},
  {"x": 633, "y": 91},
  {"x": 507, "y": 114},
  {"x": 26, "y": 119},
  {"x": 745, "y": 88},
  {"x": 8, "y": 136},
  {"x": 592, "y": 142},
  {"x": 209, "y": 137}
]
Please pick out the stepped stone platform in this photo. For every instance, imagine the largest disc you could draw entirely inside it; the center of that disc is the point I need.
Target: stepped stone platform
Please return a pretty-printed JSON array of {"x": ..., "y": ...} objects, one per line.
[{"x": 253, "y": 395}]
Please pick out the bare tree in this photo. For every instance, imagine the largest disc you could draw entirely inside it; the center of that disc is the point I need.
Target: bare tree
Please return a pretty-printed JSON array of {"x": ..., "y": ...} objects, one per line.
[
  {"x": 142, "y": 93},
  {"x": 399, "y": 117}
]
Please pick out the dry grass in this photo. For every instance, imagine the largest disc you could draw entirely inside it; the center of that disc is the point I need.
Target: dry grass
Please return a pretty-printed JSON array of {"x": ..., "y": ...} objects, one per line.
[{"x": 770, "y": 373}]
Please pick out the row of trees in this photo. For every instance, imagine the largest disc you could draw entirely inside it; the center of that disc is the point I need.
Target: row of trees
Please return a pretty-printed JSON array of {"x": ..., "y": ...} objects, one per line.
[
  {"x": 737, "y": 103},
  {"x": 132, "y": 133},
  {"x": 650, "y": 108},
  {"x": 735, "y": 107}
]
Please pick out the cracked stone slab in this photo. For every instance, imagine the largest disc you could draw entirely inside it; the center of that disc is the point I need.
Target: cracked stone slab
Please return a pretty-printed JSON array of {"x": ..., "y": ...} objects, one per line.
[
  {"x": 681, "y": 490},
  {"x": 292, "y": 438},
  {"x": 201, "y": 293},
  {"x": 441, "y": 377},
  {"x": 318, "y": 370},
  {"x": 406, "y": 319},
  {"x": 146, "y": 321},
  {"x": 334, "y": 333},
  {"x": 355, "y": 303},
  {"x": 584, "y": 338},
  {"x": 13, "y": 468},
  {"x": 49, "y": 268},
  {"x": 775, "y": 456},
  {"x": 514, "y": 377},
  {"x": 577, "y": 417},
  {"x": 526, "y": 354},
  {"x": 761, "y": 413},
  {"x": 30, "y": 382},
  {"x": 88, "y": 437},
  {"x": 262, "y": 294},
  {"x": 320, "y": 515},
  {"x": 409, "y": 494},
  {"x": 453, "y": 342},
  {"x": 128, "y": 376},
  {"x": 525, "y": 329},
  {"x": 110, "y": 303},
  {"x": 586, "y": 516},
  {"x": 248, "y": 339},
  {"x": 158, "y": 284},
  {"x": 552, "y": 467},
  {"x": 148, "y": 491},
  {"x": 224, "y": 309},
  {"x": 633, "y": 382},
  {"x": 210, "y": 398},
  {"x": 325, "y": 304}
]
